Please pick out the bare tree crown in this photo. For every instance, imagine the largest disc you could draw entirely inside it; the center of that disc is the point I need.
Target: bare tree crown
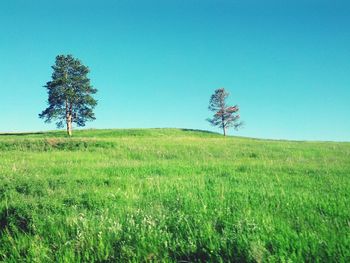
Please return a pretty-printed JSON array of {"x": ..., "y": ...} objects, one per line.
[{"x": 225, "y": 116}]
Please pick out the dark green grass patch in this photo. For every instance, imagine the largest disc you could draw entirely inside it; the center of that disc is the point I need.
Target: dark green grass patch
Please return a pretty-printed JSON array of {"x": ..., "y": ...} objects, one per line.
[{"x": 54, "y": 144}]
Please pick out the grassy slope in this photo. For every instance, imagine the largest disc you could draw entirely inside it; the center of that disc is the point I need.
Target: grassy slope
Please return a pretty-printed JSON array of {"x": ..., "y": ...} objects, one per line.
[{"x": 168, "y": 194}]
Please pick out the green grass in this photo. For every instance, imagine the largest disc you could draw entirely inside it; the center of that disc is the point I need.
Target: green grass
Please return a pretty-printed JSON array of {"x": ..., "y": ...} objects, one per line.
[{"x": 172, "y": 195}]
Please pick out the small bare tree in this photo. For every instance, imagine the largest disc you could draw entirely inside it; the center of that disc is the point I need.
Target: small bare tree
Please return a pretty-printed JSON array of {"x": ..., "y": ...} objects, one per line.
[{"x": 224, "y": 116}]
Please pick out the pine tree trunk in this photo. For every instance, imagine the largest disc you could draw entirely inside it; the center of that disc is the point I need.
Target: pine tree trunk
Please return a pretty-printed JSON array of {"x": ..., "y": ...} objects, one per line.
[
  {"x": 224, "y": 129},
  {"x": 69, "y": 125},
  {"x": 68, "y": 119}
]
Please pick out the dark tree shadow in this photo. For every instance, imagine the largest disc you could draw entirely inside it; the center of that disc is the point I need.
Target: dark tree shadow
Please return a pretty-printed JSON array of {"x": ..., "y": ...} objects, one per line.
[{"x": 198, "y": 130}]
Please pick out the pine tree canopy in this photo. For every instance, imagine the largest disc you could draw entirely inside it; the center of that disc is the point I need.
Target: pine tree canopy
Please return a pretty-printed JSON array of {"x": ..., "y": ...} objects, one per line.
[{"x": 69, "y": 94}]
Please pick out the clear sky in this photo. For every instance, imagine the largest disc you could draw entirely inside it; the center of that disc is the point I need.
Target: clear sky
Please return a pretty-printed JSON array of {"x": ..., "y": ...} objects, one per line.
[{"x": 156, "y": 63}]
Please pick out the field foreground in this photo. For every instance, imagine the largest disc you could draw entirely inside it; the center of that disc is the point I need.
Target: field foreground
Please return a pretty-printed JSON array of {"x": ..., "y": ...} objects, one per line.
[{"x": 172, "y": 195}]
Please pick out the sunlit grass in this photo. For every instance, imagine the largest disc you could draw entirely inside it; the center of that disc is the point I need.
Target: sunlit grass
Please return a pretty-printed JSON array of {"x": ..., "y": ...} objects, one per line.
[{"x": 172, "y": 195}]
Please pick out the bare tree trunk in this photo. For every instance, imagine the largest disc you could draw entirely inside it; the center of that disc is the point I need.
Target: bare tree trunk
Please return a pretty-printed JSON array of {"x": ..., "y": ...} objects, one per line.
[
  {"x": 69, "y": 125},
  {"x": 68, "y": 120},
  {"x": 223, "y": 124}
]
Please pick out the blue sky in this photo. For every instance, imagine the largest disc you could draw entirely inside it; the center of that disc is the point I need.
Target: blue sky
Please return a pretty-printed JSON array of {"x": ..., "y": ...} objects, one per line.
[{"x": 156, "y": 63}]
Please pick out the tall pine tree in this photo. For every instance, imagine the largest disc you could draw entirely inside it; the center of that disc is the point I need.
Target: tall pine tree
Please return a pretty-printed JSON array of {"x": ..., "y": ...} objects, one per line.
[
  {"x": 69, "y": 94},
  {"x": 225, "y": 116}
]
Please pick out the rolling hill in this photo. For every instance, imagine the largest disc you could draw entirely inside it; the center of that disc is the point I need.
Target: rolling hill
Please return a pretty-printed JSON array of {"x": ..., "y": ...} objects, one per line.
[{"x": 172, "y": 195}]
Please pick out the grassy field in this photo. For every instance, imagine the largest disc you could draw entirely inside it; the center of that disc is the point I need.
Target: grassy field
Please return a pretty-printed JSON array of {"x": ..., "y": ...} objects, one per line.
[{"x": 172, "y": 195}]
